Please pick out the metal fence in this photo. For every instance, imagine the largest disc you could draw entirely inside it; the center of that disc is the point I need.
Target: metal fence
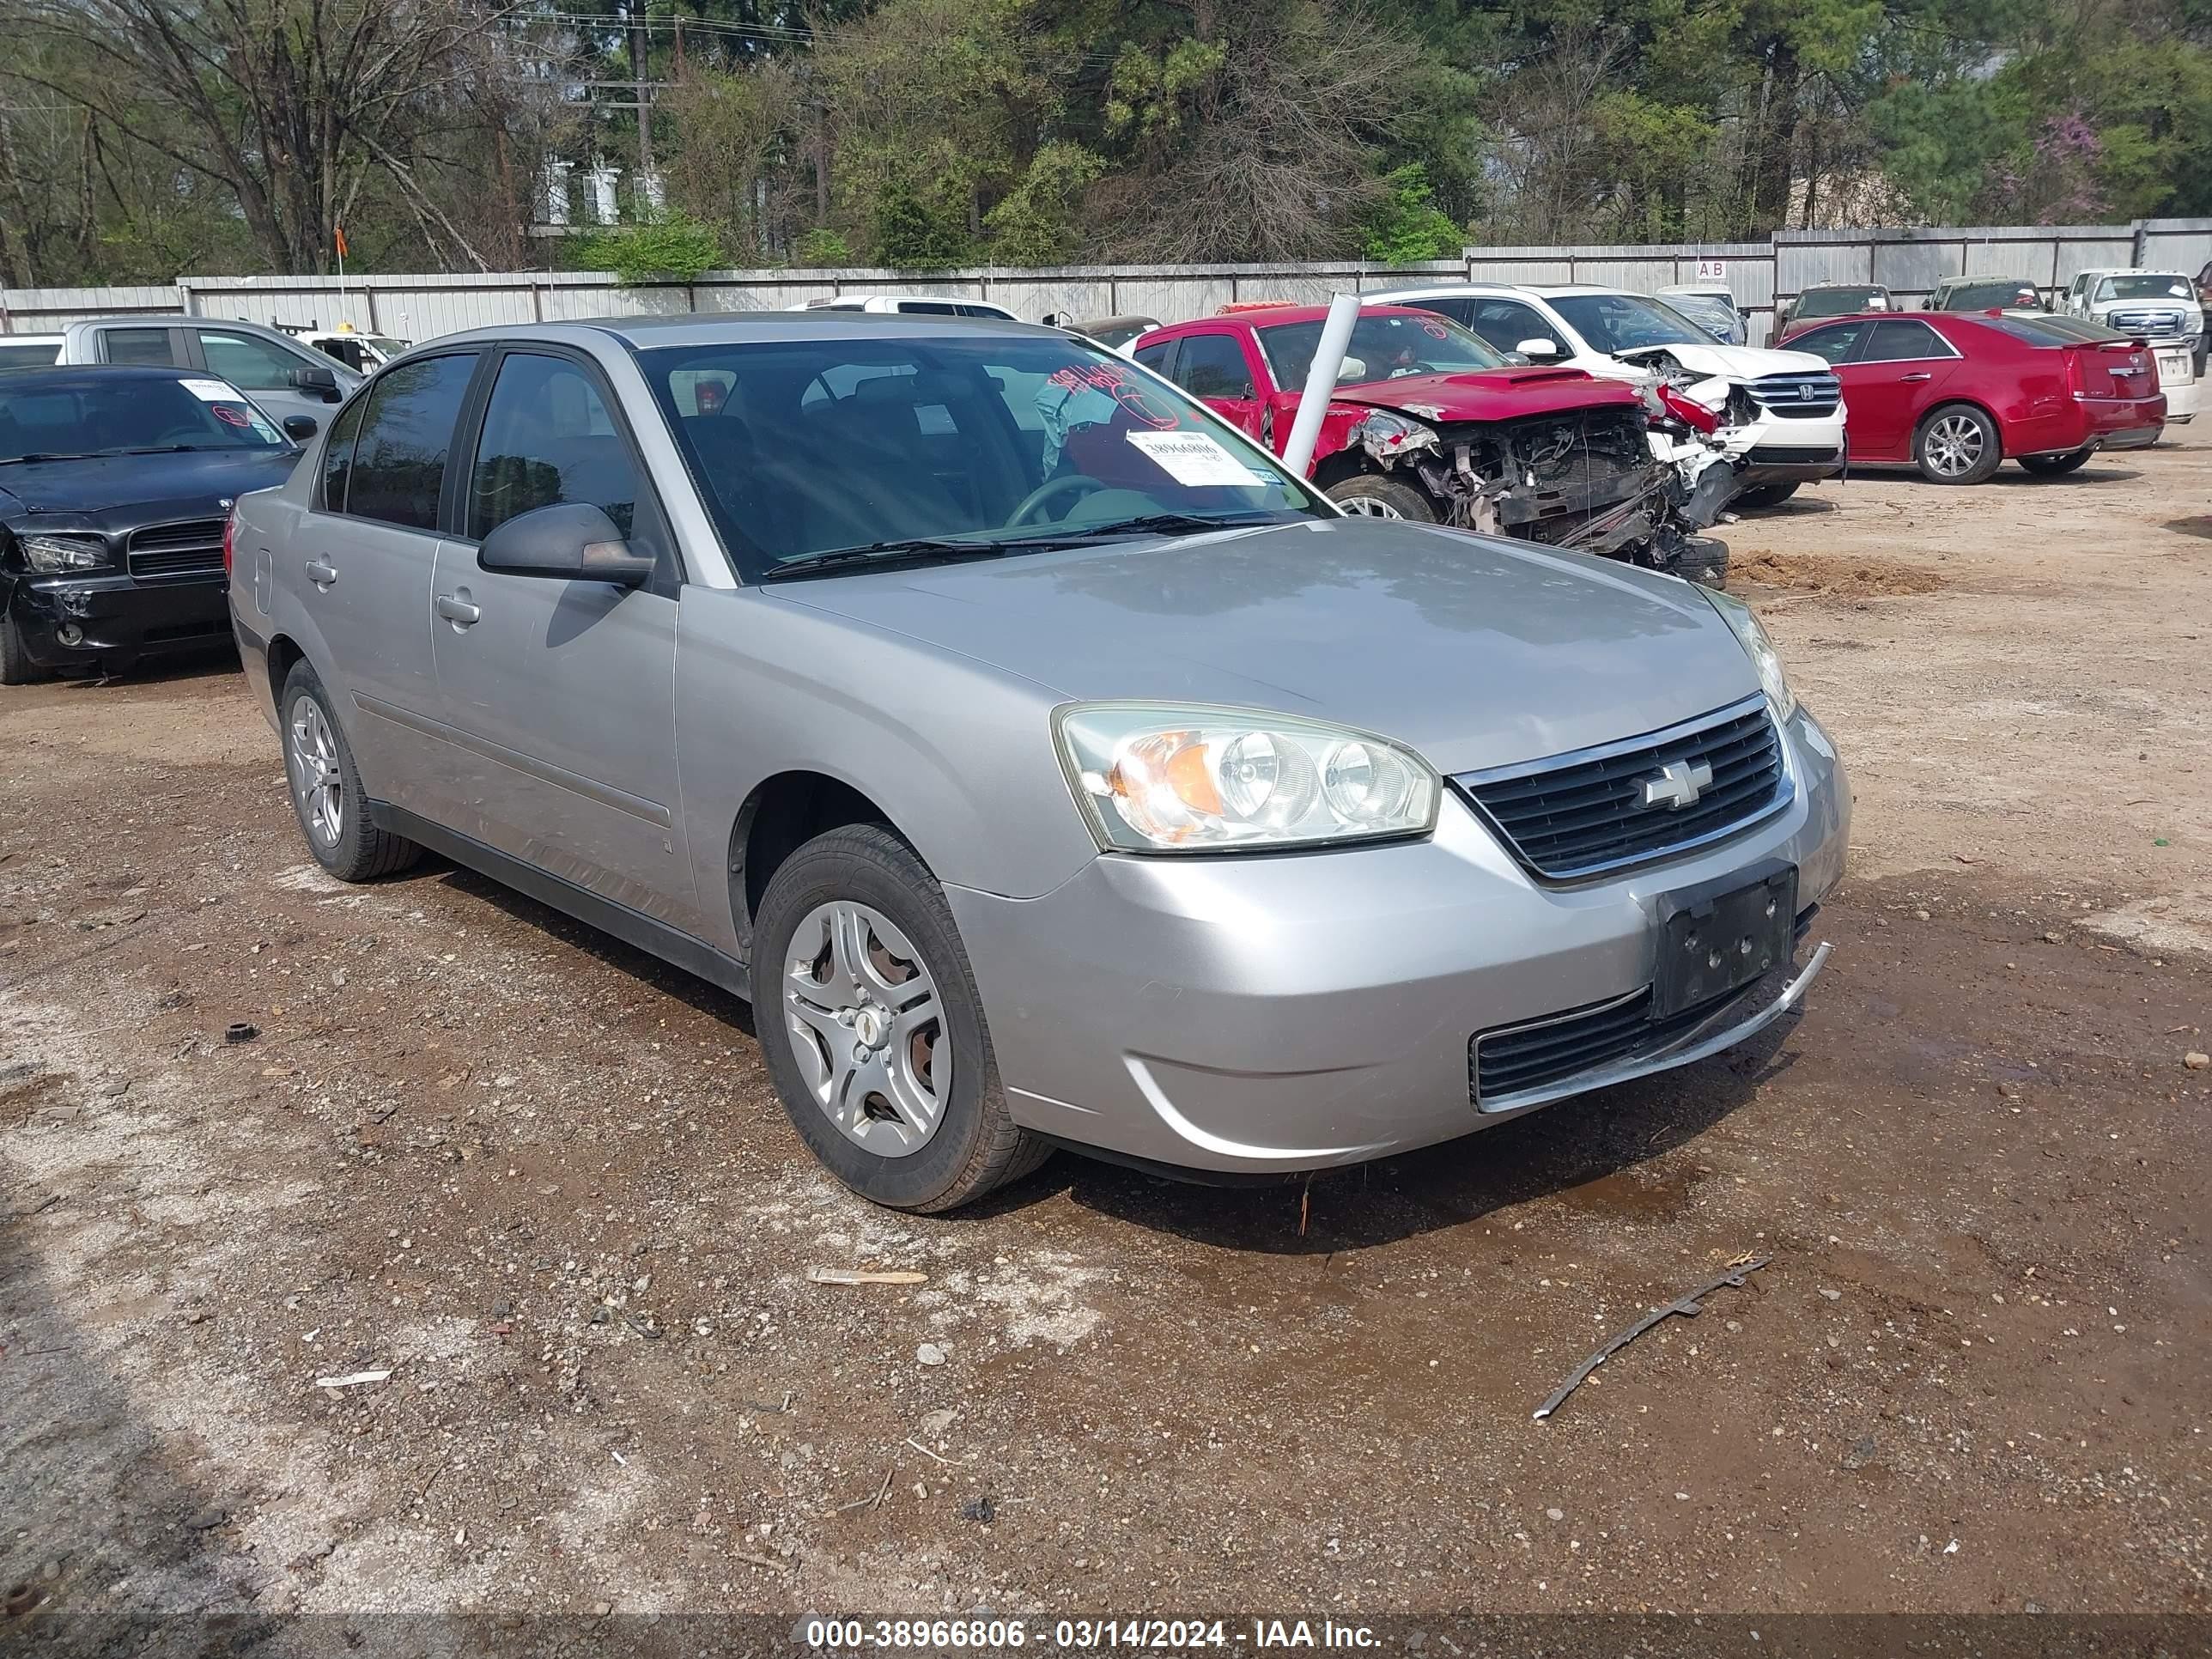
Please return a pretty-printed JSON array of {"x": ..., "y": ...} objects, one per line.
[{"x": 1910, "y": 261}]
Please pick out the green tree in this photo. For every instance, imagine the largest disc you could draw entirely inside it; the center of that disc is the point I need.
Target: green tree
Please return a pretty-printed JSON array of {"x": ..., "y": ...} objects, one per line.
[
  {"x": 672, "y": 246},
  {"x": 1406, "y": 226}
]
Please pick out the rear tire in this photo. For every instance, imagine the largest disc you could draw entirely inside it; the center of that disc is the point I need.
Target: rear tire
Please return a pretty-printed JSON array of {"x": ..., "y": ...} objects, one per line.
[
  {"x": 857, "y": 954},
  {"x": 17, "y": 667},
  {"x": 327, "y": 798},
  {"x": 1760, "y": 495},
  {"x": 2050, "y": 467},
  {"x": 1957, "y": 444},
  {"x": 1367, "y": 495}
]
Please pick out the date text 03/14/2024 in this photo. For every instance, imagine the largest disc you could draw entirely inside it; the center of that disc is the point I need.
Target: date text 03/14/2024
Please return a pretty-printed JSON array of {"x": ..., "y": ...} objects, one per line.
[{"x": 990, "y": 1635}]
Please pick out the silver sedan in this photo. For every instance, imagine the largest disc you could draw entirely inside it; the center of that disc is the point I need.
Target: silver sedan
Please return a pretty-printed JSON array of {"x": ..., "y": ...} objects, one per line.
[{"x": 1047, "y": 763}]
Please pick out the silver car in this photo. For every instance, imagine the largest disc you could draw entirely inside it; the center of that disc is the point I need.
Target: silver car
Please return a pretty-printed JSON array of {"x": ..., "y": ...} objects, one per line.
[{"x": 1047, "y": 763}]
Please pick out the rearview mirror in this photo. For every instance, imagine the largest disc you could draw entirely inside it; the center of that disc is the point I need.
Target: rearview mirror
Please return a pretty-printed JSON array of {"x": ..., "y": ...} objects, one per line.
[
  {"x": 1537, "y": 350},
  {"x": 570, "y": 541},
  {"x": 300, "y": 428},
  {"x": 322, "y": 381}
]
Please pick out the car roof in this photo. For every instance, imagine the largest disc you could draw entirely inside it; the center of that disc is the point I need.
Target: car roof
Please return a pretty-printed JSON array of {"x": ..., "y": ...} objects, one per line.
[
  {"x": 61, "y": 376},
  {"x": 1822, "y": 288},
  {"x": 1273, "y": 316},
  {"x": 742, "y": 327}
]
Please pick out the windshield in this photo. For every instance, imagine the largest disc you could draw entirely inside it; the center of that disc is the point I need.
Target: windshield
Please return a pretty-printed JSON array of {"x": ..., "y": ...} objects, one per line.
[
  {"x": 103, "y": 414},
  {"x": 1980, "y": 296},
  {"x": 1614, "y": 323},
  {"x": 1840, "y": 301},
  {"x": 812, "y": 446},
  {"x": 1713, "y": 312},
  {"x": 2146, "y": 285},
  {"x": 1385, "y": 345}
]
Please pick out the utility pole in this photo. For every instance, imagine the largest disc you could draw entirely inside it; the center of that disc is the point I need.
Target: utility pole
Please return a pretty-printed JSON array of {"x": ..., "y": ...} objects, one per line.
[{"x": 639, "y": 71}]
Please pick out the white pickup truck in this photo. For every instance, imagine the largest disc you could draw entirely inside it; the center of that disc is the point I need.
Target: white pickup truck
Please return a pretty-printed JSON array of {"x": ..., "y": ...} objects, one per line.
[{"x": 2157, "y": 307}]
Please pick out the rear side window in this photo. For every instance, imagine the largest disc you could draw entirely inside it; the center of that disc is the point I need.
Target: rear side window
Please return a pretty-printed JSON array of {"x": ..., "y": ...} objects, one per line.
[
  {"x": 929, "y": 309},
  {"x": 1155, "y": 357},
  {"x": 1833, "y": 343},
  {"x": 400, "y": 462},
  {"x": 548, "y": 438},
  {"x": 243, "y": 361},
  {"x": 138, "y": 345},
  {"x": 337, "y": 456},
  {"x": 1900, "y": 341},
  {"x": 1214, "y": 366},
  {"x": 39, "y": 355}
]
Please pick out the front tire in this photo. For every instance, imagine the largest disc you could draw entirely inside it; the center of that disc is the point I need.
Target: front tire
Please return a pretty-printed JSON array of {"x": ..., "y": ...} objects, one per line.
[
  {"x": 1370, "y": 496},
  {"x": 868, "y": 1015},
  {"x": 17, "y": 667},
  {"x": 2050, "y": 466},
  {"x": 327, "y": 798},
  {"x": 1957, "y": 445},
  {"x": 1759, "y": 496}
]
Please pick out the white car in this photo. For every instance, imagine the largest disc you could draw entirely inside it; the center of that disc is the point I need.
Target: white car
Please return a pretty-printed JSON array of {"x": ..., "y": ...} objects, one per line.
[
  {"x": 909, "y": 305},
  {"x": 2157, "y": 307},
  {"x": 362, "y": 353},
  {"x": 30, "y": 351},
  {"x": 1781, "y": 411}
]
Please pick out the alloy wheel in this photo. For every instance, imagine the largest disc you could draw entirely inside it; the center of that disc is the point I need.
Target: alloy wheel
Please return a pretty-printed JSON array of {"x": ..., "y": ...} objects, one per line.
[
  {"x": 317, "y": 781},
  {"x": 1368, "y": 506},
  {"x": 1954, "y": 445},
  {"x": 867, "y": 1028}
]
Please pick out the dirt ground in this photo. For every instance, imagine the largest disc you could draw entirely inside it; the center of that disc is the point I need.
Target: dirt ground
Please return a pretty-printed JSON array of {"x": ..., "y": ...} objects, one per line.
[{"x": 542, "y": 1182}]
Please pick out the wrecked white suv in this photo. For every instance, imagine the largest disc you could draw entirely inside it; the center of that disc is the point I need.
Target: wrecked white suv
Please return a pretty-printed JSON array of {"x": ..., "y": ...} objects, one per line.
[{"x": 1782, "y": 412}]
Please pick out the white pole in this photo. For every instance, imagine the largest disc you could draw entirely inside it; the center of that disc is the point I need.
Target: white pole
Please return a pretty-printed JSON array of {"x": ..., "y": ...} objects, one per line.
[{"x": 1321, "y": 381}]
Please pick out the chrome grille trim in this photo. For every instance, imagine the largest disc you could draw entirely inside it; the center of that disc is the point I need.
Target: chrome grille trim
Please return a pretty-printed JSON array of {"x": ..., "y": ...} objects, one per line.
[{"x": 188, "y": 547}]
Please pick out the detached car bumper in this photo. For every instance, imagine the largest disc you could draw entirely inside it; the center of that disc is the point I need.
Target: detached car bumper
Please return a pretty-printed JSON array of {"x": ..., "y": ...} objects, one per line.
[
  {"x": 1255, "y": 1015},
  {"x": 112, "y": 619}
]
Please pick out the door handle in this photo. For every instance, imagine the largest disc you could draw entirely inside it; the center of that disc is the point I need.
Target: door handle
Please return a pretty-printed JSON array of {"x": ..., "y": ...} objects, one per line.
[
  {"x": 1916, "y": 377},
  {"x": 320, "y": 573},
  {"x": 457, "y": 611}
]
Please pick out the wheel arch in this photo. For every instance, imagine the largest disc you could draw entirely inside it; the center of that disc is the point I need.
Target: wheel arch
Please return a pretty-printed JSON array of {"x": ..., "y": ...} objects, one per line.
[
  {"x": 781, "y": 814},
  {"x": 1977, "y": 404}
]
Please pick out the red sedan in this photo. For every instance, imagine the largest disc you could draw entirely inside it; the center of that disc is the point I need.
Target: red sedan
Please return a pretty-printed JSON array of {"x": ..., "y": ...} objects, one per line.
[{"x": 1956, "y": 393}]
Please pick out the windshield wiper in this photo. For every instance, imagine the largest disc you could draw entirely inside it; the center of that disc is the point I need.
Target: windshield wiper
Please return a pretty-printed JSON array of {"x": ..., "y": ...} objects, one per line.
[
  {"x": 1173, "y": 524},
  {"x": 165, "y": 449},
  {"x": 10, "y": 460},
  {"x": 913, "y": 549}
]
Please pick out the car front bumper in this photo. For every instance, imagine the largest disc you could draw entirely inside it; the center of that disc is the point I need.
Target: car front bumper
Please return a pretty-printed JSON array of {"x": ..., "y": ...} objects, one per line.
[
  {"x": 1253, "y": 1015},
  {"x": 110, "y": 620}
]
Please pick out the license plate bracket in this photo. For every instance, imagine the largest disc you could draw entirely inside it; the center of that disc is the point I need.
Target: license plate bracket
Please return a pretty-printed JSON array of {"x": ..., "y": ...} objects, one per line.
[{"x": 1721, "y": 935}]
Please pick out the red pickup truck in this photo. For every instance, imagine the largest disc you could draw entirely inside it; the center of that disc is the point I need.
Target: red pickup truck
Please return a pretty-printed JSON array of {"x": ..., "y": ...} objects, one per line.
[{"x": 1428, "y": 421}]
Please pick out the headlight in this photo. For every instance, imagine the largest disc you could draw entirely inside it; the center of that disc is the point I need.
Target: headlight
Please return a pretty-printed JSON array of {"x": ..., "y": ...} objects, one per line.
[
  {"x": 51, "y": 556},
  {"x": 1161, "y": 778},
  {"x": 1760, "y": 649}
]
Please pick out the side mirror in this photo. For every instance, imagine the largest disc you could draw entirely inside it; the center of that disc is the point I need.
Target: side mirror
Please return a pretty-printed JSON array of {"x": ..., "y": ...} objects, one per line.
[
  {"x": 570, "y": 541},
  {"x": 1537, "y": 350},
  {"x": 300, "y": 428},
  {"x": 323, "y": 382}
]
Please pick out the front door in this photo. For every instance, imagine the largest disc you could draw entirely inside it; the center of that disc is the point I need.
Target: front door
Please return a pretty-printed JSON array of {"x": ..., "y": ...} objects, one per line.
[
  {"x": 560, "y": 695},
  {"x": 263, "y": 370},
  {"x": 1213, "y": 369},
  {"x": 1895, "y": 377}
]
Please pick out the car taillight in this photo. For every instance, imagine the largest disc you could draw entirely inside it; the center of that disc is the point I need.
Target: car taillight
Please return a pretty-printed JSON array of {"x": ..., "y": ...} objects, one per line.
[
  {"x": 229, "y": 537},
  {"x": 2076, "y": 387}
]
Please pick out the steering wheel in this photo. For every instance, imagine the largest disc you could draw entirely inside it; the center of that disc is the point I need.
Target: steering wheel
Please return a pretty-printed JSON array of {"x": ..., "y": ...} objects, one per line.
[
  {"x": 1417, "y": 367},
  {"x": 1068, "y": 483}
]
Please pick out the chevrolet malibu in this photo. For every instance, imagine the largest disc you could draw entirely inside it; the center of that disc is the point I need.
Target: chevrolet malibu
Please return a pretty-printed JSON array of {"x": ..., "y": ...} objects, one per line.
[{"x": 1045, "y": 763}]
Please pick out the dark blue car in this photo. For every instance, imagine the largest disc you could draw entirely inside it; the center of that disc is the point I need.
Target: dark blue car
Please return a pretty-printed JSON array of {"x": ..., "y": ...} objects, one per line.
[{"x": 115, "y": 483}]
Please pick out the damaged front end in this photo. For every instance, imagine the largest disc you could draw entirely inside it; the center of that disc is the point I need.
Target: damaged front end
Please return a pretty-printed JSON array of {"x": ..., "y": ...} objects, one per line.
[{"x": 1587, "y": 479}]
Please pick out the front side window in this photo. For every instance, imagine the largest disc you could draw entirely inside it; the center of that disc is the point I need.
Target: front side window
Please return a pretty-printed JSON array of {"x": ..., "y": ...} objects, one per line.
[
  {"x": 860, "y": 446},
  {"x": 399, "y": 461},
  {"x": 139, "y": 345},
  {"x": 1613, "y": 323},
  {"x": 548, "y": 438},
  {"x": 257, "y": 365},
  {"x": 1505, "y": 324},
  {"x": 1385, "y": 345},
  {"x": 1214, "y": 366},
  {"x": 128, "y": 415}
]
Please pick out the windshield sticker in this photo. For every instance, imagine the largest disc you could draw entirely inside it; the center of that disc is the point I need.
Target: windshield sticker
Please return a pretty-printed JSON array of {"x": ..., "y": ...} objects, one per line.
[
  {"x": 1195, "y": 459},
  {"x": 232, "y": 415},
  {"x": 1117, "y": 384},
  {"x": 212, "y": 392},
  {"x": 1434, "y": 329}
]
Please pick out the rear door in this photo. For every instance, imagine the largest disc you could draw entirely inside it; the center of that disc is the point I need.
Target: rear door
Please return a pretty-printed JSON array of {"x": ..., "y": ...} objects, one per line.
[
  {"x": 1217, "y": 369},
  {"x": 159, "y": 343},
  {"x": 1896, "y": 376},
  {"x": 561, "y": 694},
  {"x": 361, "y": 569}
]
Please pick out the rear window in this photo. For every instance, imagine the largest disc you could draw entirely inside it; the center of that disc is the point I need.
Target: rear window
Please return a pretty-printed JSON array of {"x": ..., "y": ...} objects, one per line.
[
  {"x": 130, "y": 415},
  {"x": 2052, "y": 331}
]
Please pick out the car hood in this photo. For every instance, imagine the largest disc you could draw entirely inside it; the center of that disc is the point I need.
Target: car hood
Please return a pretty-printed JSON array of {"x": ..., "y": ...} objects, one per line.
[
  {"x": 1738, "y": 363},
  {"x": 119, "y": 490},
  {"x": 1486, "y": 394},
  {"x": 1476, "y": 651}
]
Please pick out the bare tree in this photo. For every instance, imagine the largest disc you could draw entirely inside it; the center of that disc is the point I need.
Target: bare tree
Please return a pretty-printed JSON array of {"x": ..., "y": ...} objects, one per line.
[{"x": 280, "y": 101}]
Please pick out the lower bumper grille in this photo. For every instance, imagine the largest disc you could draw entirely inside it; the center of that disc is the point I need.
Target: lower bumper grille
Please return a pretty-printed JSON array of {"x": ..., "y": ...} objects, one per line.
[
  {"x": 1502, "y": 1063},
  {"x": 1577, "y": 815}
]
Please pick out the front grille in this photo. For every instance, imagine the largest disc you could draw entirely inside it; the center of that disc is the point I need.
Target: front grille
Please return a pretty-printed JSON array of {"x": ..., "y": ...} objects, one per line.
[
  {"x": 1798, "y": 396},
  {"x": 2148, "y": 322},
  {"x": 1577, "y": 815},
  {"x": 1504, "y": 1063},
  {"x": 190, "y": 547}
]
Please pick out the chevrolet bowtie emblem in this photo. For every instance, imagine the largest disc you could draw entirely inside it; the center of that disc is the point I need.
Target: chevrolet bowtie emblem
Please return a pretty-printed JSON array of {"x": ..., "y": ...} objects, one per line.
[{"x": 1678, "y": 785}]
